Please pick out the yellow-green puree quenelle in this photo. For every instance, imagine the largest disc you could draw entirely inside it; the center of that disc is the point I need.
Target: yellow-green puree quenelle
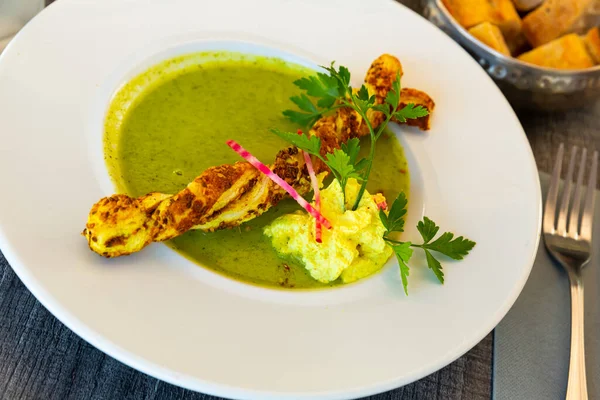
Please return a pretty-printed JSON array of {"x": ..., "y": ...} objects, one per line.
[{"x": 352, "y": 249}]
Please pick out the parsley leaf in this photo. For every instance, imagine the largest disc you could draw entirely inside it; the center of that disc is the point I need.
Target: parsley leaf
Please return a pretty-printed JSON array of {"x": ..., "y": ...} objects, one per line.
[
  {"x": 393, "y": 96},
  {"x": 394, "y": 221},
  {"x": 383, "y": 108},
  {"x": 446, "y": 244},
  {"x": 339, "y": 161},
  {"x": 344, "y": 75},
  {"x": 428, "y": 229},
  {"x": 341, "y": 165},
  {"x": 304, "y": 103},
  {"x": 362, "y": 100},
  {"x": 363, "y": 105},
  {"x": 363, "y": 93},
  {"x": 456, "y": 249},
  {"x": 434, "y": 265},
  {"x": 410, "y": 111},
  {"x": 310, "y": 144},
  {"x": 326, "y": 88},
  {"x": 322, "y": 86},
  {"x": 341, "y": 77},
  {"x": 351, "y": 148},
  {"x": 300, "y": 118},
  {"x": 403, "y": 253},
  {"x": 404, "y": 272}
]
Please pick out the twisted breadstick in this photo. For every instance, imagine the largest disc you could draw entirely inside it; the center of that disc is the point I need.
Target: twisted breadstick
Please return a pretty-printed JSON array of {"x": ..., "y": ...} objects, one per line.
[{"x": 229, "y": 195}]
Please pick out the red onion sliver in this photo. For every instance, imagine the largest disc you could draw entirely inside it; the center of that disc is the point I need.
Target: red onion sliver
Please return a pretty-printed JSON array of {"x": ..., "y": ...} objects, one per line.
[
  {"x": 275, "y": 178},
  {"x": 315, "y": 185}
]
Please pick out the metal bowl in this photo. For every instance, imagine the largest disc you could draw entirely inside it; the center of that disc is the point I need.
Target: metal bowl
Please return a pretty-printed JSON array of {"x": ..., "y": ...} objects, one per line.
[{"x": 524, "y": 85}]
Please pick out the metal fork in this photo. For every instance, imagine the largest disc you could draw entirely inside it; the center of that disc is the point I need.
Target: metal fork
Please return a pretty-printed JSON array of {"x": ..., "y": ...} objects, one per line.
[{"x": 568, "y": 238}]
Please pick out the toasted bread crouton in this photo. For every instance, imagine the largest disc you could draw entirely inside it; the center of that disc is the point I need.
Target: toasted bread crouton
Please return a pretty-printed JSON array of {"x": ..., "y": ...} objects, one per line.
[
  {"x": 490, "y": 35},
  {"x": 555, "y": 18},
  {"x": 417, "y": 98},
  {"x": 592, "y": 43},
  {"x": 469, "y": 13},
  {"x": 501, "y": 13},
  {"x": 505, "y": 16},
  {"x": 568, "y": 52}
]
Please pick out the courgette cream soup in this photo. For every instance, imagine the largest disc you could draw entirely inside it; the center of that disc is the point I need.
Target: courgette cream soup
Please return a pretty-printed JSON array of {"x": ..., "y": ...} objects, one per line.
[{"x": 170, "y": 123}]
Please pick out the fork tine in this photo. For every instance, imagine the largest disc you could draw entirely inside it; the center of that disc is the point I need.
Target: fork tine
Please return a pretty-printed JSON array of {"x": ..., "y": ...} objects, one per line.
[
  {"x": 561, "y": 226},
  {"x": 573, "y": 229},
  {"x": 550, "y": 207},
  {"x": 588, "y": 209}
]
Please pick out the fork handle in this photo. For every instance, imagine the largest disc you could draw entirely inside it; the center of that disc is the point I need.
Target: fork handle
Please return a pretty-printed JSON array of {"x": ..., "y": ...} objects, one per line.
[{"x": 577, "y": 386}]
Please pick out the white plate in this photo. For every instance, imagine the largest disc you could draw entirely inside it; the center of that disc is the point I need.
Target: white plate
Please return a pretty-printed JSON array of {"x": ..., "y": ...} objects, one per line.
[{"x": 472, "y": 173}]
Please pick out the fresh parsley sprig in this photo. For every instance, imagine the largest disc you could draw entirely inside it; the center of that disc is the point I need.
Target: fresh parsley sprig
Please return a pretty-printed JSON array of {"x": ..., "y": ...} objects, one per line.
[
  {"x": 331, "y": 91},
  {"x": 310, "y": 144},
  {"x": 394, "y": 220},
  {"x": 342, "y": 162},
  {"x": 326, "y": 88},
  {"x": 446, "y": 244}
]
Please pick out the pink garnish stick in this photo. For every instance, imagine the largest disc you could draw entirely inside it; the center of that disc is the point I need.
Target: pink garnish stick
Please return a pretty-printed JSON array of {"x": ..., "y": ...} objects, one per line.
[
  {"x": 275, "y": 178},
  {"x": 315, "y": 185}
]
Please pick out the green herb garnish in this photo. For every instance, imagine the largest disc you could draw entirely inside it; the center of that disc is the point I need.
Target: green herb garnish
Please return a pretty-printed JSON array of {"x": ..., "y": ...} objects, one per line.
[
  {"x": 326, "y": 92},
  {"x": 446, "y": 244},
  {"x": 331, "y": 91}
]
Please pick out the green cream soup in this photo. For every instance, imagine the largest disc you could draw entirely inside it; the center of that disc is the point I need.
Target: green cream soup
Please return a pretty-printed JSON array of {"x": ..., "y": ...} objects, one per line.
[{"x": 171, "y": 122}]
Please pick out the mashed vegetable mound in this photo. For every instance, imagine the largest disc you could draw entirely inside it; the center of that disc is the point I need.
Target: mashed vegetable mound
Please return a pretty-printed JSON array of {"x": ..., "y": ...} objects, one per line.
[{"x": 352, "y": 249}]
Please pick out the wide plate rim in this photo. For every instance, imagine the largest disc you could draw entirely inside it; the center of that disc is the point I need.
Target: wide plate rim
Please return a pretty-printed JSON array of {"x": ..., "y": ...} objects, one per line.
[{"x": 217, "y": 389}]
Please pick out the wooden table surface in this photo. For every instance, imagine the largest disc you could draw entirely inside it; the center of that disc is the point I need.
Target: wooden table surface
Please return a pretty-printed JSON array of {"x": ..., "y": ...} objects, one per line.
[{"x": 42, "y": 359}]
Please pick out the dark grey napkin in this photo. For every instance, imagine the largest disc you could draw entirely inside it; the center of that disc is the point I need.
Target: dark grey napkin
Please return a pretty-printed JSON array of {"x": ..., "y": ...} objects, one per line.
[{"x": 531, "y": 344}]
